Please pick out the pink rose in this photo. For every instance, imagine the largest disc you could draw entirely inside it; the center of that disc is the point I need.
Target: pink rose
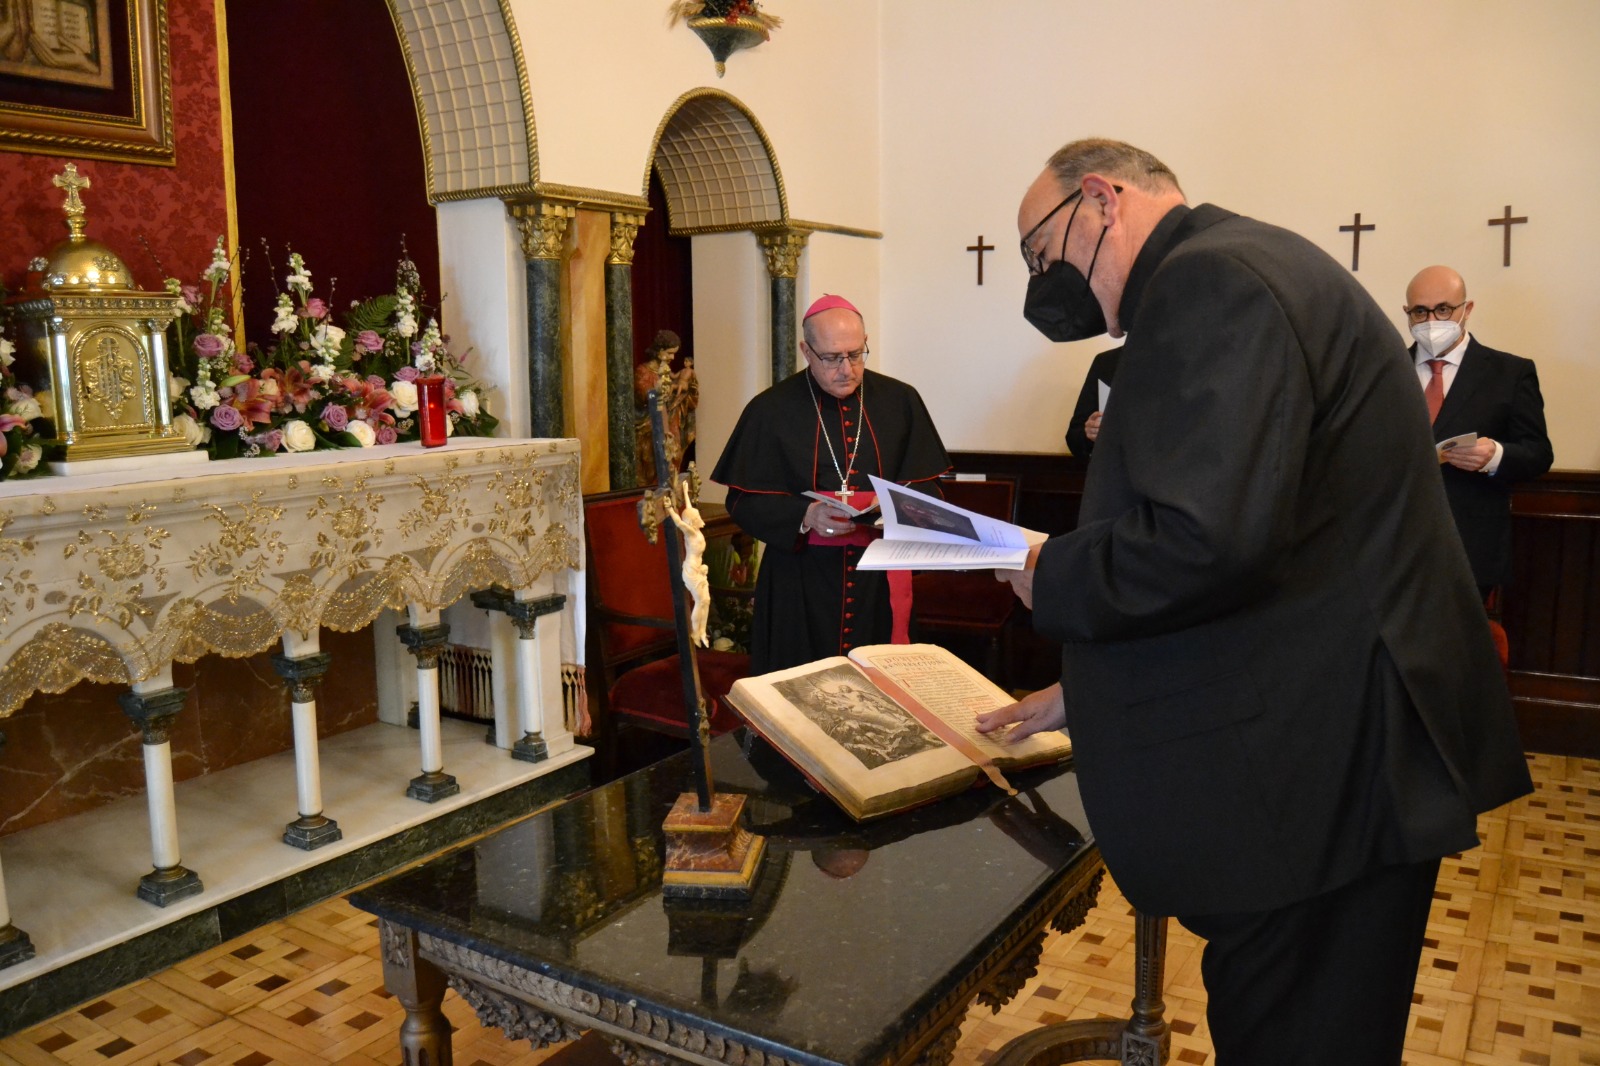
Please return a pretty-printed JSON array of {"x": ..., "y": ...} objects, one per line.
[
  {"x": 406, "y": 373},
  {"x": 315, "y": 308},
  {"x": 369, "y": 341},
  {"x": 226, "y": 418},
  {"x": 208, "y": 345},
  {"x": 387, "y": 435}
]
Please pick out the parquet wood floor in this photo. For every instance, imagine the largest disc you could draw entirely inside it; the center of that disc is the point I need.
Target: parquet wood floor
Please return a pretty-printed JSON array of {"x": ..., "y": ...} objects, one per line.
[{"x": 1510, "y": 973}]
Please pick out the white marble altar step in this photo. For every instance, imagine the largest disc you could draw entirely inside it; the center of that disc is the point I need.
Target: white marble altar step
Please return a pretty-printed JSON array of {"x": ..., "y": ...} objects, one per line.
[{"x": 71, "y": 883}]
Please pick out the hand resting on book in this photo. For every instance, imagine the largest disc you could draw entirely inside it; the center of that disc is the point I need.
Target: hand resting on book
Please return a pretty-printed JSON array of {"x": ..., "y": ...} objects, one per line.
[{"x": 1034, "y": 713}]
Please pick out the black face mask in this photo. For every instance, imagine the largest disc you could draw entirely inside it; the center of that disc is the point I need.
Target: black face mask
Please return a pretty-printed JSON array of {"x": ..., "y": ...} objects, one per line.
[{"x": 1059, "y": 303}]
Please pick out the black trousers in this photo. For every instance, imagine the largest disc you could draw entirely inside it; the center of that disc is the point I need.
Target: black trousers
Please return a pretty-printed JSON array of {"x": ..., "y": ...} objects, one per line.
[{"x": 1327, "y": 980}]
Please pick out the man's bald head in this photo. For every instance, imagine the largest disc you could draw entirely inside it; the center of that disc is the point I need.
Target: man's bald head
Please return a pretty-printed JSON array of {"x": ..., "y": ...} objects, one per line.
[{"x": 1436, "y": 285}]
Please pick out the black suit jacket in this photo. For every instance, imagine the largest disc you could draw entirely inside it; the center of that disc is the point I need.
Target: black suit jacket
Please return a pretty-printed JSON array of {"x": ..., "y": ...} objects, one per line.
[
  {"x": 1277, "y": 669},
  {"x": 1102, "y": 368},
  {"x": 1495, "y": 395}
]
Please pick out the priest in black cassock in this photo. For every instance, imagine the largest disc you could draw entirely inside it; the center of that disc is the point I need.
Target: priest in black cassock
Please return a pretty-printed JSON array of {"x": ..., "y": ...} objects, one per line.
[{"x": 825, "y": 429}]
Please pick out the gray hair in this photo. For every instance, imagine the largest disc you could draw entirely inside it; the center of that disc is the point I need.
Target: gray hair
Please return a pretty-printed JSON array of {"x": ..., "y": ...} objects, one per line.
[{"x": 1114, "y": 159}]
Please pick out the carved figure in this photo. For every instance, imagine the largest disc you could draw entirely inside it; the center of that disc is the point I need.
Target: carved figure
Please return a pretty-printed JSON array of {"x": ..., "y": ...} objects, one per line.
[{"x": 696, "y": 575}]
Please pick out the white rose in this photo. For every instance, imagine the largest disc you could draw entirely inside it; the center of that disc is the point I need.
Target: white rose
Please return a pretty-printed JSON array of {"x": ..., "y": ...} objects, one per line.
[
  {"x": 47, "y": 401},
  {"x": 405, "y": 396},
  {"x": 28, "y": 458},
  {"x": 192, "y": 433},
  {"x": 7, "y": 352},
  {"x": 270, "y": 389},
  {"x": 26, "y": 407},
  {"x": 298, "y": 436},
  {"x": 177, "y": 385},
  {"x": 469, "y": 403},
  {"x": 450, "y": 425},
  {"x": 362, "y": 432}
]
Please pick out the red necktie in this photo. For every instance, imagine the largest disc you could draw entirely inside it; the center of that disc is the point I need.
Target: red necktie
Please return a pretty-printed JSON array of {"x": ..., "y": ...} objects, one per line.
[{"x": 1434, "y": 393}]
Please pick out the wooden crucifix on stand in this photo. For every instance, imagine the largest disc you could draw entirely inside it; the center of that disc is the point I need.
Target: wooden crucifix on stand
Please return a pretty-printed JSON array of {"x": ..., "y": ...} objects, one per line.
[
  {"x": 980, "y": 248},
  {"x": 1507, "y": 221},
  {"x": 710, "y": 855},
  {"x": 1356, "y": 229}
]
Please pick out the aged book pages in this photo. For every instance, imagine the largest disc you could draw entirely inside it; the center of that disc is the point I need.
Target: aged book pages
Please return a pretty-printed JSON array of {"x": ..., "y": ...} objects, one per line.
[{"x": 891, "y": 729}]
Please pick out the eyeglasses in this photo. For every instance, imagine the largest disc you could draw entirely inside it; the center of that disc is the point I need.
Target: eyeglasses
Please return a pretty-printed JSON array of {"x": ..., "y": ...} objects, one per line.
[
  {"x": 1439, "y": 313},
  {"x": 834, "y": 360},
  {"x": 1033, "y": 259}
]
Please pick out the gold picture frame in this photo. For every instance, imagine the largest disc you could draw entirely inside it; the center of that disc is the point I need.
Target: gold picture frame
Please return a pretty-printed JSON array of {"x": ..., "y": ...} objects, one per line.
[{"x": 129, "y": 122}]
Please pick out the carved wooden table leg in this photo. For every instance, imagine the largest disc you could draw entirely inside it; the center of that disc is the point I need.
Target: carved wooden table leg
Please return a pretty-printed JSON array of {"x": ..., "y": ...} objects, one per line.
[
  {"x": 1143, "y": 1040},
  {"x": 419, "y": 986}
]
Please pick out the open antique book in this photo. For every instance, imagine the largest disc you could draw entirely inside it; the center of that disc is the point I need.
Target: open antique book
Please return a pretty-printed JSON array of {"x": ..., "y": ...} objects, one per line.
[{"x": 889, "y": 727}]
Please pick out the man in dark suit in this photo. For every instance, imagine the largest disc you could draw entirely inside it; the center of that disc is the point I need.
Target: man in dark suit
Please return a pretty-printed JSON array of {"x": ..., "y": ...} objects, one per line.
[
  {"x": 1084, "y": 428},
  {"x": 1284, "y": 701},
  {"x": 1473, "y": 389}
]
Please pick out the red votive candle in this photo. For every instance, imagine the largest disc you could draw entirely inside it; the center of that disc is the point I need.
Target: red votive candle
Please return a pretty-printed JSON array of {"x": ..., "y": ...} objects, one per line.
[{"x": 430, "y": 410}]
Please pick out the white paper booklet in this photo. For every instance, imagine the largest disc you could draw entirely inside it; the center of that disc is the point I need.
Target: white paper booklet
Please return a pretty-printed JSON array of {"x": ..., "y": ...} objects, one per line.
[
  {"x": 1460, "y": 440},
  {"x": 1105, "y": 395},
  {"x": 922, "y": 532},
  {"x": 840, "y": 504}
]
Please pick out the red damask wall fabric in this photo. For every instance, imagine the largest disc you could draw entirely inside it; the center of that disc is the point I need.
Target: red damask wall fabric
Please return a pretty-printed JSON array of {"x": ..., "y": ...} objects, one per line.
[{"x": 180, "y": 211}]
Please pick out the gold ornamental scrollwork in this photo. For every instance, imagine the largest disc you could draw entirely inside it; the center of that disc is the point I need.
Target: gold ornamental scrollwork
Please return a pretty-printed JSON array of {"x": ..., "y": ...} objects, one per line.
[
  {"x": 624, "y": 228},
  {"x": 782, "y": 249}
]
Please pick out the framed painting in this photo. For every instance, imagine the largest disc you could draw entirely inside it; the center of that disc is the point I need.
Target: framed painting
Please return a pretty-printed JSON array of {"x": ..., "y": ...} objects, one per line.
[{"x": 86, "y": 78}]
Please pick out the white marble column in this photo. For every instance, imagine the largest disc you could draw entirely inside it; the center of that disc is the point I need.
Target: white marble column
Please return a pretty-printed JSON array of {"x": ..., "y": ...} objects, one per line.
[
  {"x": 302, "y": 664},
  {"x": 15, "y": 946},
  {"x": 425, "y": 638},
  {"x": 538, "y": 665},
  {"x": 152, "y": 705}
]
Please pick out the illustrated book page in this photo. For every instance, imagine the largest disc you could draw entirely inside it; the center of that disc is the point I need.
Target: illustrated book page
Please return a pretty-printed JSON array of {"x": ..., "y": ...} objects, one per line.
[
  {"x": 922, "y": 532},
  {"x": 887, "y": 729}
]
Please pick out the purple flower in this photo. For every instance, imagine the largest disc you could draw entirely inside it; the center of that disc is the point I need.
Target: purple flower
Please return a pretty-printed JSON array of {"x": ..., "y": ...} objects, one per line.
[
  {"x": 242, "y": 363},
  {"x": 191, "y": 295},
  {"x": 272, "y": 440},
  {"x": 387, "y": 435},
  {"x": 336, "y": 417},
  {"x": 375, "y": 381},
  {"x": 406, "y": 373},
  {"x": 226, "y": 418},
  {"x": 369, "y": 341},
  {"x": 208, "y": 345}
]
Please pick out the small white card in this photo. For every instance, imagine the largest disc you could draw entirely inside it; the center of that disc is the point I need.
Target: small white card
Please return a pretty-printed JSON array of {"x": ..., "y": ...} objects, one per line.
[
  {"x": 1460, "y": 440},
  {"x": 1105, "y": 395}
]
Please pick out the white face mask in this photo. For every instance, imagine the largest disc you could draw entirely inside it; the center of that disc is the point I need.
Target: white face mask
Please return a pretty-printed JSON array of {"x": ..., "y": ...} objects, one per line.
[{"x": 1436, "y": 338}]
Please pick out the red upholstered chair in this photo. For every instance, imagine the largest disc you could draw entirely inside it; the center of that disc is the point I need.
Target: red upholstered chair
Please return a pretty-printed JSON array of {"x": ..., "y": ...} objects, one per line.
[
  {"x": 632, "y": 647},
  {"x": 1497, "y": 631},
  {"x": 970, "y": 603}
]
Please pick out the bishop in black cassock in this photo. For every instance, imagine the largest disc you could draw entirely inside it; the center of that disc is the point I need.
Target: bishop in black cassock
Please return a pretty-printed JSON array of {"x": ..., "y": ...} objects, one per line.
[{"x": 825, "y": 428}]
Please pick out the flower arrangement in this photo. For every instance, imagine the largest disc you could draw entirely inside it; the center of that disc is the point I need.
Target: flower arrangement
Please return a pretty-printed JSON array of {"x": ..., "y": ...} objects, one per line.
[
  {"x": 20, "y": 447},
  {"x": 317, "y": 384}
]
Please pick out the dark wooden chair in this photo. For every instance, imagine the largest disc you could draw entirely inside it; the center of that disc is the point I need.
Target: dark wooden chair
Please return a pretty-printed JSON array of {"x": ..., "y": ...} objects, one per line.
[
  {"x": 632, "y": 648},
  {"x": 971, "y": 604}
]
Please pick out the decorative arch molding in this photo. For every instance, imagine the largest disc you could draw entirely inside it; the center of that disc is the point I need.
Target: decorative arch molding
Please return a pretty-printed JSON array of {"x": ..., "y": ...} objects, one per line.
[
  {"x": 718, "y": 168},
  {"x": 470, "y": 84}
]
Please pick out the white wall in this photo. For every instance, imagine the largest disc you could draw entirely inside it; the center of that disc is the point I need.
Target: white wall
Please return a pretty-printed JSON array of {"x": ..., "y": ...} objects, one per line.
[
  {"x": 732, "y": 327},
  {"x": 1427, "y": 116},
  {"x": 603, "y": 76},
  {"x": 485, "y": 301}
]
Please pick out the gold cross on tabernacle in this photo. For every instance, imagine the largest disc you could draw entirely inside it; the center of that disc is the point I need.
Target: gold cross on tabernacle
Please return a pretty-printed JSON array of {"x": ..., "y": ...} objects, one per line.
[
  {"x": 1356, "y": 228},
  {"x": 1507, "y": 221},
  {"x": 70, "y": 180},
  {"x": 980, "y": 248}
]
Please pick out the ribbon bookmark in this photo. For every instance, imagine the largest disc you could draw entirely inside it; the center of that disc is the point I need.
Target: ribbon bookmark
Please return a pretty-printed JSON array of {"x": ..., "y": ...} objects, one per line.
[{"x": 938, "y": 726}]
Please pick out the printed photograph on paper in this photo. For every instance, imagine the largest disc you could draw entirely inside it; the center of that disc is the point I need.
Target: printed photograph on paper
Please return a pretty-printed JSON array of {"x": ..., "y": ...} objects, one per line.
[{"x": 925, "y": 514}]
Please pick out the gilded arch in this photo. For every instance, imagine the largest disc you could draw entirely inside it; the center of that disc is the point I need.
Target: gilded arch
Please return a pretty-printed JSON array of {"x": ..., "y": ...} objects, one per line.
[
  {"x": 470, "y": 84},
  {"x": 718, "y": 168}
]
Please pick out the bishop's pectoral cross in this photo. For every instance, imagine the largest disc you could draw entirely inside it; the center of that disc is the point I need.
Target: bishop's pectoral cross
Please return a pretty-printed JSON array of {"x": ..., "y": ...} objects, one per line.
[{"x": 844, "y": 493}]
